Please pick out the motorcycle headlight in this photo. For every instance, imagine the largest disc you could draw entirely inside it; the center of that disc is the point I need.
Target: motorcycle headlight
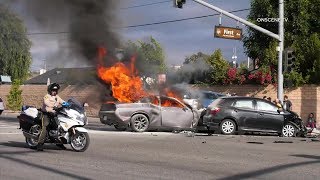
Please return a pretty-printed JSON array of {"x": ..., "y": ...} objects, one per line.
[{"x": 82, "y": 118}]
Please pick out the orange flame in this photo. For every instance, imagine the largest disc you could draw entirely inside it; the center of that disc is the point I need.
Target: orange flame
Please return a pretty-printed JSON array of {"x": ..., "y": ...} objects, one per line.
[{"x": 127, "y": 86}]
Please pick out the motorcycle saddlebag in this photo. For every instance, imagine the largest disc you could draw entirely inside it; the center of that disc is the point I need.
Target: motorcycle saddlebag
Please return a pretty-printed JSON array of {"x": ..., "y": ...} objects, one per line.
[{"x": 26, "y": 121}]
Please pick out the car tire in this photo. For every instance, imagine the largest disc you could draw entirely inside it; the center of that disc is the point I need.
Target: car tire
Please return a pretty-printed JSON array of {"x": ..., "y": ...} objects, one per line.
[
  {"x": 288, "y": 130},
  {"x": 228, "y": 127},
  {"x": 139, "y": 123},
  {"x": 120, "y": 128}
]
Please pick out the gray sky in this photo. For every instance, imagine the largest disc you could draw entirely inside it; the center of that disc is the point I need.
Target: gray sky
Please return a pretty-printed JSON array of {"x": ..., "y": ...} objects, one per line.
[{"x": 179, "y": 39}]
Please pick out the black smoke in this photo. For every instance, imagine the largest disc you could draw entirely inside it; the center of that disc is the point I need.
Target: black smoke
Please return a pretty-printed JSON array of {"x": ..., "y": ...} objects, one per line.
[{"x": 86, "y": 24}]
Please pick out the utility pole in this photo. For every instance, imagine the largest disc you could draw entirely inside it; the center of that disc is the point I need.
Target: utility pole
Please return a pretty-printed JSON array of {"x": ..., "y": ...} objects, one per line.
[
  {"x": 281, "y": 47},
  {"x": 279, "y": 37}
]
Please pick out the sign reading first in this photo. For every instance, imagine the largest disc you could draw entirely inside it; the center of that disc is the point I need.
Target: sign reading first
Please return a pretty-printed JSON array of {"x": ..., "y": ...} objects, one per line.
[{"x": 227, "y": 32}]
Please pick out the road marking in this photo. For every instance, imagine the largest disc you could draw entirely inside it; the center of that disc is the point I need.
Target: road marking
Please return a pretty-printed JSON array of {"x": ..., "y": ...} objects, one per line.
[{"x": 9, "y": 133}]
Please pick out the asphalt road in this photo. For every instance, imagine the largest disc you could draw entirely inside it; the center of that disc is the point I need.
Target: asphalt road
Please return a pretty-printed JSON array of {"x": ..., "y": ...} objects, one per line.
[{"x": 159, "y": 155}]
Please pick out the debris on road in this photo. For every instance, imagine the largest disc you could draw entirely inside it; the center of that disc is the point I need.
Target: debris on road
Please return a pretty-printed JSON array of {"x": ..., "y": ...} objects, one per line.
[
  {"x": 282, "y": 142},
  {"x": 254, "y": 142},
  {"x": 203, "y": 142}
]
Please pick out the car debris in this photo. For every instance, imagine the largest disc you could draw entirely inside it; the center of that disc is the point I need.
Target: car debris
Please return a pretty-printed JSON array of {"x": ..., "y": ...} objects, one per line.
[
  {"x": 283, "y": 142},
  {"x": 254, "y": 142}
]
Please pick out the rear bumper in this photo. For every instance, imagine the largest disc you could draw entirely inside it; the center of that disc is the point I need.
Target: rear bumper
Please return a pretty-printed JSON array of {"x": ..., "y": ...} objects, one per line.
[
  {"x": 110, "y": 118},
  {"x": 213, "y": 125}
]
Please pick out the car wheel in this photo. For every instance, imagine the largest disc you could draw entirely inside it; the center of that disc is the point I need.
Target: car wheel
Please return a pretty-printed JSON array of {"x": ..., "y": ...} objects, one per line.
[
  {"x": 119, "y": 128},
  {"x": 289, "y": 130},
  {"x": 139, "y": 123},
  {"x": 228, "y": 127}
]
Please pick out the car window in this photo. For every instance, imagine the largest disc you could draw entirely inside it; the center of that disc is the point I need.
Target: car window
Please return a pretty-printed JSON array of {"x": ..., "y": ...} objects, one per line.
[
  {"x": 248, "y": 104},
  {"x": 264, "y": 106},
  {"x": 166, "y": 102},
  {"x": 152, "y": 99},
  {"x": 209, "y": 96}
]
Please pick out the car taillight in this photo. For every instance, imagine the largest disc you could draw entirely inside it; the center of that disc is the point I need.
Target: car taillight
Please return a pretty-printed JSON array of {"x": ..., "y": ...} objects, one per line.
[{"x": 214, "y": 111}]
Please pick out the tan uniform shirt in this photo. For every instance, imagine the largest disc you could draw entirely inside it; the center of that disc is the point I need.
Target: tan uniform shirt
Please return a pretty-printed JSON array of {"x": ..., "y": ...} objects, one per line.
[{"x": 51, "y": 101}]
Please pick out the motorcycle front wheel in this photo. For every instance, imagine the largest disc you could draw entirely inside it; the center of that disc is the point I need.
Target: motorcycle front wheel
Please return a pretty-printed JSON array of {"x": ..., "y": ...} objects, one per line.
[{"x": 80, "y": 141}]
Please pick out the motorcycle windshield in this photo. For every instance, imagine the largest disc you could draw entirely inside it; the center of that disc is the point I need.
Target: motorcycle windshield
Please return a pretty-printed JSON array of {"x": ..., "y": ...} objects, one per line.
[{"x": 76, "y": 105}]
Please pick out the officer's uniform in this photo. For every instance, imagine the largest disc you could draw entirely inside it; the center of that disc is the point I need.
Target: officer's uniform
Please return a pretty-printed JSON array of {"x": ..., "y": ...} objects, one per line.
[{"x": 49, "y": 102}]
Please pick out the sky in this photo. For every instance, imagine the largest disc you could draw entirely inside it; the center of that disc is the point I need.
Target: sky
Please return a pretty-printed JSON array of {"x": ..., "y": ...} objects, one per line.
[{"x": 178, "y": 39}]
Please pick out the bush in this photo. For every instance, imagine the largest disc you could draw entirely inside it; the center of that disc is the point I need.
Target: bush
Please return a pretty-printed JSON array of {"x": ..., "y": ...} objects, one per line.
[{"x": 15, "y": 96}]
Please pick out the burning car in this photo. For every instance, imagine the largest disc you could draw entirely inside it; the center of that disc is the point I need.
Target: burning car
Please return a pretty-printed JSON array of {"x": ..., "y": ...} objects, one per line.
[{"x": 151, "y": 112}]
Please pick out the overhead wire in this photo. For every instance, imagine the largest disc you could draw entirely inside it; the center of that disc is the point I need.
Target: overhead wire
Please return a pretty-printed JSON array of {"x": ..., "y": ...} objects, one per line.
[
  {"x": 147, "y": 24},
  {"x": 142, "y": 5}
]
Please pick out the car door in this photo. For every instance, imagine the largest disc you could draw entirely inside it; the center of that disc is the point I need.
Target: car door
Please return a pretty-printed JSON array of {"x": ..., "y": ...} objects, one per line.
[
  {"x": 268, "y": 116},
  {"x": 245, "y": 113},
  {"x": 175, "y": 114}
]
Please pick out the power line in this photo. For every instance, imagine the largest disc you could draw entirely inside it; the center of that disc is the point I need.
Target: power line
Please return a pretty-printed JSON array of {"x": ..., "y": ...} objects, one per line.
[
  {"x": 147, "y": 24},
  {"x": 149, "y": 4},
  {"x": 184, "y": 19}
]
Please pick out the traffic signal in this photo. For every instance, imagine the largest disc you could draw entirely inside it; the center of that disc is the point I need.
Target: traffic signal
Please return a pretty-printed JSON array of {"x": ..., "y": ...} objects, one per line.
[
  {"x": 178, "y": 3},
  {"x": 290, "y": 60}
]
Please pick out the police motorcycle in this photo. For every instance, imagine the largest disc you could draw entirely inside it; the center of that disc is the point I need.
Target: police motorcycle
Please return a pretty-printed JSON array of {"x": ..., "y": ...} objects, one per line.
[{"x": 65, "y": 128}]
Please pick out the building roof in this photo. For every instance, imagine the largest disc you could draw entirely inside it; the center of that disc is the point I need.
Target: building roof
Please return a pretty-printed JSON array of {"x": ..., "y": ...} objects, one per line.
[{"x": 69, "y": 76}]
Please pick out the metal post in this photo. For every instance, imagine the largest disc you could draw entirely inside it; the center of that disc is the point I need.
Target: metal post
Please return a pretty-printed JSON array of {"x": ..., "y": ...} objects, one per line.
[
  {"x": 279, "y": 37},
  {"x": 281, "y": 46},
  {"x": 265, "y": 31}
]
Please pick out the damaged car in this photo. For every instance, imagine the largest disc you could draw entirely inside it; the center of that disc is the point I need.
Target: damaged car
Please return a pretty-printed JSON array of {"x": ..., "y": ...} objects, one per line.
[
  {"x": 152, "y": 112},
  {"x": 229, "y": 115}
]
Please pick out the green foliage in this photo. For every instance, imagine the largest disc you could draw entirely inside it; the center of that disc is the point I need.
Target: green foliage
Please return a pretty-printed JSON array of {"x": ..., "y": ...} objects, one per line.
[
  {"x": 15, "y": 57},
  {"x": 219, "y": 67},
  {"x": 194, "y": 69},
  {"x": 308, "y": 54},
  {"x": 200, "y": 56},
  {"x": 301, "y": 33},
  {"x": 15, "y": 96},
  {"x": 150, "y": 56},
  {"x": 294, "y": 79}
]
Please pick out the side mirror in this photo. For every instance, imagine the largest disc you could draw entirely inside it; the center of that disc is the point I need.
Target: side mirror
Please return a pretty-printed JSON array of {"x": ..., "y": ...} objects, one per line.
[{"x": 185, "y": 108}]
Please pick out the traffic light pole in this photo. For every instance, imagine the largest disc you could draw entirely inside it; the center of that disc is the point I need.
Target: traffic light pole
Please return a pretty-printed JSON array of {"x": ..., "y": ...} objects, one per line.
[
  {"x": 281, "y": 47},
  {"x": 279, "y": 37}
]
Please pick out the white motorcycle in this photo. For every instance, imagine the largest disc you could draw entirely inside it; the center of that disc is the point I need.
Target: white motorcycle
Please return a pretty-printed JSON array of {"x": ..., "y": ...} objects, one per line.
[{"x": 65, "y": 128}]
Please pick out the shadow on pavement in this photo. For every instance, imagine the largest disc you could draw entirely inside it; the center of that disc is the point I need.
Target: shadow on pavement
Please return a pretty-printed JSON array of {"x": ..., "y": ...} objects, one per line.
[
  {"x": 9, "y": 155},
  {"x": 52, "y": 170},
  {"x": 14, "y": 144},
  {"x": 24, "y": 145},
  {"x": 9, "y": 119},
  {"x": 254, "y": 174}
]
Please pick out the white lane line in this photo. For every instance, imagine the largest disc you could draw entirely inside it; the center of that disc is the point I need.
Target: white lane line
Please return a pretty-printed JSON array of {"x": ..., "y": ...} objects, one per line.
[{"x": 10, "y": 133}]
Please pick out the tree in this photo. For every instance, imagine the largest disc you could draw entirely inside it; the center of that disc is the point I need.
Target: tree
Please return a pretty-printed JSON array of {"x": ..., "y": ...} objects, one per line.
[
  {"x": 15, "y": 96},
  {"x": 200, "y": 56},
  {"x": 15, "y": 57},
  {"x": 150, "y": 56},
  {"x": 302, "y": 27},
  {"x": 219, "y": 67},
  {"x": 195, "y": 69}
]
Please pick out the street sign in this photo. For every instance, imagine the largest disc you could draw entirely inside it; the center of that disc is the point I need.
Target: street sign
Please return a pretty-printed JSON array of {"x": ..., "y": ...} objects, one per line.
[{"x": 227, "y": 32}]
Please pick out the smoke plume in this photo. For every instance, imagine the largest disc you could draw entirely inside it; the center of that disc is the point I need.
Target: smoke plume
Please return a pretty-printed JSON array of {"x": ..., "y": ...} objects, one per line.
[{"x": 87, "y": 24}]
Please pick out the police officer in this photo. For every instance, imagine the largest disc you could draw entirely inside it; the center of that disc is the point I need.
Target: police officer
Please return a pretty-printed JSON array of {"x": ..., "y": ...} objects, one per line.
[{"x": 50, "y": 101}]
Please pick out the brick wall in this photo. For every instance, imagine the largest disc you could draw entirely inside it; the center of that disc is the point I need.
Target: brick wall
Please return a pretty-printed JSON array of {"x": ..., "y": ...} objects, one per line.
[
  {"x": 305, "y": 99},
  {"x": 33, "y": 95}
]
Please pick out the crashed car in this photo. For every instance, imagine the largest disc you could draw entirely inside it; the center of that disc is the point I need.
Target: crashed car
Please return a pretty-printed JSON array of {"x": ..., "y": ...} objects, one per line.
[
  {"x": 245, "y": 114},
  {"x": 153, "y": 112}
]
